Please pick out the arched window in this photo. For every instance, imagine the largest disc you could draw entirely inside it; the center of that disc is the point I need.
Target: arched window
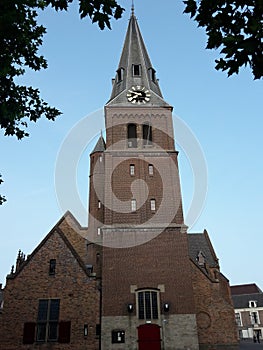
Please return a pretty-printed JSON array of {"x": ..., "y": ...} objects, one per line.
[
  {"x": 148, "y": 304},
  {"x": 132, "y": 135},
  {"x": 147, "y": 134}
]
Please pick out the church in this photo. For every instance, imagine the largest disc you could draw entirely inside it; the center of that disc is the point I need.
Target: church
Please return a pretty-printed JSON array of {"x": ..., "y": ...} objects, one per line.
[{"x": 134, "y": 278}]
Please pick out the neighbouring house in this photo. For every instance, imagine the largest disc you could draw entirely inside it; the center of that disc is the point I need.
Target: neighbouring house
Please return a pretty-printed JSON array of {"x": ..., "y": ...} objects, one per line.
[{"x": 248, "y": 304}]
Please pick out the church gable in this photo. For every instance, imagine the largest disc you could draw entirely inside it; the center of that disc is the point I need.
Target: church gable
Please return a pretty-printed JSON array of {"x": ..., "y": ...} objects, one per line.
[{"x": 52, "y": 280}]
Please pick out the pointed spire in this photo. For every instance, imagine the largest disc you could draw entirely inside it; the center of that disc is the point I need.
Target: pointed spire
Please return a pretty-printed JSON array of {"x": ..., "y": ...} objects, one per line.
[
  {"x": 132, "y": 8},
  {"x": 135, "y": 69},
  {"x": 100, "y": 145}
]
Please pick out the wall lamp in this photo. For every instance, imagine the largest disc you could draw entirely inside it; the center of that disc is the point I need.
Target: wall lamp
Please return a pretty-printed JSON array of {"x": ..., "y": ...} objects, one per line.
[
  {"x": 166, "y": 307},
  {"x": 130, "y": 308}
]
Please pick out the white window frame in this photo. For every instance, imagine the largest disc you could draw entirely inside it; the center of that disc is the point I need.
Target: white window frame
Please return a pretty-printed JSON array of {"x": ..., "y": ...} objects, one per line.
[
  {"x": 132, "y": 169},
  {"x": 252, "y": 317},
  {"x": 133, "y": 205},
  {"x": 238, "y": 319},
  {"x": 252, "y": 303},
  {"x": 144, "y": 291},
  {"x": 150, "y": 169},
  {"x": 153, "y": 204}
]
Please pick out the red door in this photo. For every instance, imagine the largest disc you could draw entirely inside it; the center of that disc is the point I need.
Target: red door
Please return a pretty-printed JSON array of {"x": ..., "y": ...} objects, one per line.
[{"x": 149, "y": 337}]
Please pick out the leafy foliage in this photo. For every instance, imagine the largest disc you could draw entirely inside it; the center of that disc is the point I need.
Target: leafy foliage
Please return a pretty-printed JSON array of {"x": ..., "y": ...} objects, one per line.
[
  {"x": 20, "y": 39},
  {"x": 236, "y": 27},
  {"x": 2, "y": 199}
]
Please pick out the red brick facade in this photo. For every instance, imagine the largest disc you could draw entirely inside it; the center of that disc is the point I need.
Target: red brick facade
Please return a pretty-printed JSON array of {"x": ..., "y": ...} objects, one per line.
[{"x": 77, "y": 292}]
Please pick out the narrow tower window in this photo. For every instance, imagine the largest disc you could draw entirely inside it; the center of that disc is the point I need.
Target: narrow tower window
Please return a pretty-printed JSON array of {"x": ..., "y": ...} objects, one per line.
[
  {"x": 153, "y": 205},
  {"x": 133, "y": 205},
  {"x": 99, "y": 204},
  {"x": 132, "y": 136},
  {"x": 152, "y": 74},
  {"x": 147, "y": 134},
  {"x": 52, "y": 267},
  {"x": 150, "y": 169},
  {"x": 120, "y": 73},
  {"x": 136, "y": 70},
  {"x": 132, "y": 169}
]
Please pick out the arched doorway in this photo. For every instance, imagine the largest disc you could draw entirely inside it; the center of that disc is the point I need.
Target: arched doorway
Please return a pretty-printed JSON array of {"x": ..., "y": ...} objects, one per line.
[{"x": 149, "y": 337}]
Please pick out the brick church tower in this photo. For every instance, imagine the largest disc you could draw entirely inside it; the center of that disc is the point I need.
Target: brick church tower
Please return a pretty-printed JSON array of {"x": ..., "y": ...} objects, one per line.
[
  {"x": 147, "y": 293},
  {"x": 145, "y": 252}
]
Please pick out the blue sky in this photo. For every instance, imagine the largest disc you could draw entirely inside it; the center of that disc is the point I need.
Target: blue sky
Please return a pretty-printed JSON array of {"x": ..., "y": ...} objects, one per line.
[{"x": 224, "y": 114}]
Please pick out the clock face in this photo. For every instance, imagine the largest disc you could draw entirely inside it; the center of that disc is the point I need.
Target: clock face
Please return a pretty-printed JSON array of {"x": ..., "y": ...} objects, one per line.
[{"x": 138, "y": 94}]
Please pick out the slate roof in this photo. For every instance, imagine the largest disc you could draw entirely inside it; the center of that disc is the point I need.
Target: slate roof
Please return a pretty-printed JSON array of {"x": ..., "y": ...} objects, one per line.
[
  {"x": 242, "y": 301},
  {"x": 200, "y": 242},
  {"x": 1, "y": 296},
  {"x": 245, "y": 289},
  {"x": 134, "y": 52},
  {"x": 100, "y": 145}
]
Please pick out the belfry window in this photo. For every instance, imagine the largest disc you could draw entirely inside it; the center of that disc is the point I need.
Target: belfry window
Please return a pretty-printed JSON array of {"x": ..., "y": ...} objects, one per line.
[
  {"x": 152, "y": 74},
  {"x": 147, "y": 302},
  {"x": 120, "y": 74},
  {"x": 147, "y": 134},
  {"x": 132, "y": 135},
  {"x": 136, "y": 70}
]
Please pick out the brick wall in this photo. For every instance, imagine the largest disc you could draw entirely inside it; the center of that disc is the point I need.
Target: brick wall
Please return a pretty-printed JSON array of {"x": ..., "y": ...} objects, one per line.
[
  {"x": 214, "y": 310},
  {"x": 78, "y": 294}
]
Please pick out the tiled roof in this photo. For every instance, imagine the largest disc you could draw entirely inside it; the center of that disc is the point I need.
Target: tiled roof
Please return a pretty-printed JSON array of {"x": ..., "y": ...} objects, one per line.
[
  {"x": 242, "y": 301},
  {"x": 200, "y": 242},
  {"x": 245, "y": 289}
]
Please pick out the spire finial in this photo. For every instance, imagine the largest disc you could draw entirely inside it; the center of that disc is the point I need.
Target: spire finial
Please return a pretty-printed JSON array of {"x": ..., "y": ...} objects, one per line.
[{"x": 132, "y": 8}]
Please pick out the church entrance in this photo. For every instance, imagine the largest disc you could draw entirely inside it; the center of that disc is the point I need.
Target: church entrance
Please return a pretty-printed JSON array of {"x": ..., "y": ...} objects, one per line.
[{"x": 149, "y": 337}]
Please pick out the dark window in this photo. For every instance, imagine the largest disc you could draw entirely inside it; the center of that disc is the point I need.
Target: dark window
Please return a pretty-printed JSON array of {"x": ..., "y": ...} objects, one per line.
[
  {"x": 117, "y": 336},
  {"x": 98, "y": 330},
  {"x": 89, "y": 269},
  {"x": 254, "y": 317},
  {"x": 29, "y": 333},
  {"x": 47, "y": 320},
  {"x": 136, "y": 70},
  {"x": 64, "y": 332},
  {"x": 147, "y": 134},
  {"x": 120, "y": 74},
  {"x": 148, "y": 305},
  {"x": 152, "y": 74},
  {"x": 86, "y": 330},
  {"x": 52, "y": 267},
  {"x": 132, "y": 136}
]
